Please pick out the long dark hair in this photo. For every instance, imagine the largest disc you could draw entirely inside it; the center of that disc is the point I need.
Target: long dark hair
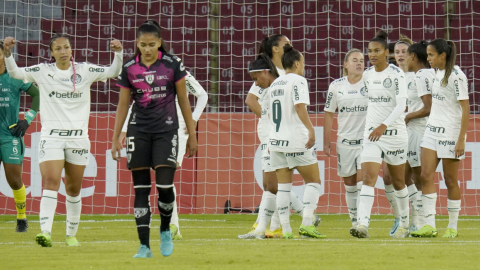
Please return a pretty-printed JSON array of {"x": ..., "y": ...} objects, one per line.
[
  {"x": 264, "y": 62},
  {"x": 420, "y": 50},
  {"x": 267, "y": 44},
  {"x": 448, "y": 47},
  {"x": 381, "y": 37},
  {"x": 52, "y": 60},
  {"x": 290, "y": 55},
  {"x": 151, "y": 27}
]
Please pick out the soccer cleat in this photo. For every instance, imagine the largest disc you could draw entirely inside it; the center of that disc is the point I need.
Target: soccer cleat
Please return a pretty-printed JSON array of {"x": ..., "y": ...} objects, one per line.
[
  {"x": 72, "y": 241},
  {"x": 177, "y": 237},
  {"x": 166, "y": 245},
  {"x": 174, "y": 231},
  {"x": 44, "y": 239},
  {"x": 425, "y": 231},
  {"x": 450, "y": 233},
  {"x": 310, "y": 231},
  {"x": 143, "y": 252},
  {"x": 360, "y": 232},
  {"x": 278, "y": 233},
  {"x": 317, "y": 220},
  {"x": 252, "y": 235},
  {"x": 401, "y": 233},
  {"x": 22, "y": 225},
  {"x": 396, "y": 224},
  {"x": 288, "y": 236}
]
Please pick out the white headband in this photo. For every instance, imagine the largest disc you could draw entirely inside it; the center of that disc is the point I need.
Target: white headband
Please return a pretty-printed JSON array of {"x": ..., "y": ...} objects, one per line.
[{"x": 255, "y": 70}]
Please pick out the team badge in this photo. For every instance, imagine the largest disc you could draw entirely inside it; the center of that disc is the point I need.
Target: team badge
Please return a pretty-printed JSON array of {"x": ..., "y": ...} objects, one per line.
[
  {"x": 78, "y": 78},
  {"x": 362, "y": 91},
  {"x": 149, "y": 78},
  {"x": 387, "y": 83}
]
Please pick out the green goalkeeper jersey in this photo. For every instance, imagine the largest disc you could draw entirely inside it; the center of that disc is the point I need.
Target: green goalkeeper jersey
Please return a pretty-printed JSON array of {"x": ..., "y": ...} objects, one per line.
[{"x": 10, "y": 91}]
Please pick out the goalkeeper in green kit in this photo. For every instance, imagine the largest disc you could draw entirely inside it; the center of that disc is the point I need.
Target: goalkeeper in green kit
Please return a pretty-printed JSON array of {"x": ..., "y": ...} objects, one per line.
[{"x": 12, "y": 130}]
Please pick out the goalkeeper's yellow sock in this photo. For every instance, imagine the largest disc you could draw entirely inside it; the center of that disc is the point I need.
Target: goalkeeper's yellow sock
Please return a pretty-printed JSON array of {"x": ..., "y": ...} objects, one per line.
[{"x": 20, "y": 197}]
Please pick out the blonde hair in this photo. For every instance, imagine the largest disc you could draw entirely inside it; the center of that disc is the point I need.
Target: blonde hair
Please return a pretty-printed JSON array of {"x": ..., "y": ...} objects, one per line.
[
  {"x": 404, "y": 40},
  {"x": 345, "y": 71}
]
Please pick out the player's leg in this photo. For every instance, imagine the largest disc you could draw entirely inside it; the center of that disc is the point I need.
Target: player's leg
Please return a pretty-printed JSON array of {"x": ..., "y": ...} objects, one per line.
[
  {"x": 450, "y": 172},
  {"x": 412, "y": 174},
  {"x": 73, "y": 201},
  {"x": 390, "y": 194},
  {"x": 174, "y": 226},
  {"x": 420, "y": 219},
  {"x": 397, "y": 173},
  {"x": 182, "y": 147},
  {"x": 279, "y": 163},
  {"x": 347, "y": 169}
]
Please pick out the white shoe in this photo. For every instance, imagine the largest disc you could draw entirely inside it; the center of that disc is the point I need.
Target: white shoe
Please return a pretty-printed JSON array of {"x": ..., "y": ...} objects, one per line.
[
  {"x": 252, "y": 235},
  {"x": 401, "y": 233}
]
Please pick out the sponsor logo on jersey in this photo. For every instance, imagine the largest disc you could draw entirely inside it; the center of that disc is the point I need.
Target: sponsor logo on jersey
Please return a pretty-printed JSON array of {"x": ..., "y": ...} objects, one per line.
[
  {"x": 275, "y": 142},
  {"x": 51, "y": 76},
  {"x": 295, "y": 90},
  {"x": 352, "y": 92},
  {"x": 388, "y": 132},
  {"x": 295, "y": 154},
  {"x": 377, "y": 82},
  {"x": 162, "y": 77},
  {"x": 427, "y": 84},
  {"x": 189, "y": 85},
  {"x": 129, "y": 63},
  {"x": 65, "y": 95},
  {"x": 150, "y": 72},
  {"x": 410, "y": 85},
  {"x": 411, "y": 153},
  {"x": 329, "y": 99},
  {"x": 163, "y": 88},
  {"x": 396, "y": 152},
  {"x": 457, "y": 91},
  {"x": 380, "y": 99},
  {"x": 169, "y": 120},
  {"x": 438, "y": 97},
  {"x": 357, "y": 108},
  {"x": 168, "y": 58},
  {"x": 137, "y": 80},
  {"x": 66, "y": 132},
  {"x": 445, "y": 143},
  {"x": 35, "y": 69},
  {"x": 280, "y": 83},
  {"x": 278, "y": 93},
  {"x": 435, "y": 129},
  {"x": 78, "y": 78},
  {"x": 396, "y": 86},
  {"x": 92, "y": 69},
  {"x": 150, "y": 78},
  {"x": 154, "y": 96},
  {"x": 6, "y": 90},
  {"x": 352, "y": 142},
  {"x": 80, "y": 151},
  {"x": 387, "y": 83}
]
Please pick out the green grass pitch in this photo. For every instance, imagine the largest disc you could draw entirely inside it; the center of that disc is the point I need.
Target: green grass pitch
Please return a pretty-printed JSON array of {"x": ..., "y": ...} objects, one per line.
[{"x": 210, "y": 242}]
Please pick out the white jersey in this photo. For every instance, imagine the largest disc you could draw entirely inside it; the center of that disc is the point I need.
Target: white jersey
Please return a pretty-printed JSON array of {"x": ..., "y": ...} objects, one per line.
[
  {"x": 288, "y": 133},
  {"x": 446, "y": 113},
  {"x": 383, "y": 88},
  {"x": 420, "y": 85},
  {"x": 65, "y": 113},
  {"x": 194, "y": 88},
  {"x": 263, "y": 129},
  {"x": 351, "y": 101}
]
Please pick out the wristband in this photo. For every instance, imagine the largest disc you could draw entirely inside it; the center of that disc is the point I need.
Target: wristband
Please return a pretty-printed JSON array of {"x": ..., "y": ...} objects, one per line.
[{"x": 30, "y": 115}]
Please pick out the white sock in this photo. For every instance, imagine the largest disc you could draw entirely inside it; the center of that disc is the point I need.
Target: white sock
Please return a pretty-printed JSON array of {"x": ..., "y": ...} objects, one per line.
[
  {"x": 413, "y": 195},
  {"x": 359, "y": 189},
  {"x": 429, "y": 204},
  {"x": 48, "y": 205},
  {"x": 453, "y": 207},
  {"x": 351, "y": 197},
  {"x": 367, "y": 195},
  {"x": 402, "y": 202},
  {"x": 265, "y": 213},
  {"x": 310, "y": 202},
  {"x": 74, "y": 210},
  {"x": 295, "y": 204},
  {"x": 275, "y": 222},
  {"x": 283, "y": 206},
  {"x": 390, "y": 193},
  {"x": 174, "y": 219},
  {"x": 260, "y": 207},
  {"x": 421, "y": 212}
]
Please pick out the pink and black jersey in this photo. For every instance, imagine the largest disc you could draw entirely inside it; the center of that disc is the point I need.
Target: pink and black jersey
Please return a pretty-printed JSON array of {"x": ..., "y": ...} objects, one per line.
[{"x": 153, "y": 90}]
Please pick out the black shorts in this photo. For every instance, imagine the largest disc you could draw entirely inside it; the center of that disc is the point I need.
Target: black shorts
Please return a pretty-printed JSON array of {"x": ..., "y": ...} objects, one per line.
[{"x": 151, "y": 149}]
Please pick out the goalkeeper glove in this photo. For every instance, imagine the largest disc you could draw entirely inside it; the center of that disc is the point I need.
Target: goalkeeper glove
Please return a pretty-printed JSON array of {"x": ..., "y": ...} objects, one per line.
[{"x": 19, "y": 129}]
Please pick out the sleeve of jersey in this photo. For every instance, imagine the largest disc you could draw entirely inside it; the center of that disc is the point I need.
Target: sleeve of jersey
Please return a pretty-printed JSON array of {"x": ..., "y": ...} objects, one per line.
[
  {"x": 105, "y": 73},
  {"x": 256, "y": 90},
  {"x": 24, "y": 86},
  {"x": 400, "y": 87},
  {"x": 331, "y": 103},
  {"x": 122, "y": 80},
  {"x": 180, "y": 71},
  {"x": 461, "y": 87},
  {"x": 125, "y": 124},
  {"x": 424, "y": 84},
  {"x": 24, "y": 74},
  {"x": 300, "y": 92},
  {"x": 194, "y": 87}
]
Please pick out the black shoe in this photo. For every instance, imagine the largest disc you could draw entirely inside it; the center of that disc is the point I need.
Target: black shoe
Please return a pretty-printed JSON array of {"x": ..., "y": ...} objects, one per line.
[{"x": 22, "y": 225}]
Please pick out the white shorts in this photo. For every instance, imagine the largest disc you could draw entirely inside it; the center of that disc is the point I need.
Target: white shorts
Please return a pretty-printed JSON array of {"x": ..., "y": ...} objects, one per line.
[
  {"x": 393, "y": 152},
  {"x": 348, "y": 161},
  {"x": 182, "y": 143},
  {"x": 280, "y": 160},
  {"x": 444, "y": 148},
  {"x": 76, "y": 152},
  {"x": 266, "y": 163},
  {"x": 414, "y": 149}
]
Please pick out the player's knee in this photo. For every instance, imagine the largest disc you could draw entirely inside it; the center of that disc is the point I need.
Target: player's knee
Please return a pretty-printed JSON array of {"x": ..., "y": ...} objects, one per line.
[
  {"x": 164, "y": 176},
  {"x": 426, "y": 176},
  {"x": 451, "y": 182}
]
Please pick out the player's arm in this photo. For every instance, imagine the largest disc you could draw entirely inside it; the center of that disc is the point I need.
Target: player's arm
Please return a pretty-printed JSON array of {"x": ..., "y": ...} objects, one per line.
[
  {"x": 425, "y": 111},
  {"x": 201, "y": 95},
  {"x": 20, "y": 128},
  {"x": 460, "y": 146},
  {"x": 302, "y": 113},
  {"x": 123, "y": 134},
  {"x": 330, "y": 107},
  {"x": 253, "y": 104},
  {"x": 184, "y": 104},
  {"x": 122, "y": 110},
  {"x": 13, "y": 70}
]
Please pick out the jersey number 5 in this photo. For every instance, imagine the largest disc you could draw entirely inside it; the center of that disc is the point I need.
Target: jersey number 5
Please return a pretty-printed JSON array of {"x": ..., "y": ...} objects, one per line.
[
  {"x": 277, "y": 113},
  {"x": 130, "y": 144}
]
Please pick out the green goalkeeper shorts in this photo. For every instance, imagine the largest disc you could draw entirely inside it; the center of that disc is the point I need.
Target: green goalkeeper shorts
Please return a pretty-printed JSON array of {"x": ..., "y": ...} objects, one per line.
[{"x": 12, "y": 150}]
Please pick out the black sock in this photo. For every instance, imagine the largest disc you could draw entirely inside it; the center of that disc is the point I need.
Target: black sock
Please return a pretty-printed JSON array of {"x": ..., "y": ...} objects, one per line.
[
  {"x": 142, "y": 186},
  {"x": 166, "y": 196}
]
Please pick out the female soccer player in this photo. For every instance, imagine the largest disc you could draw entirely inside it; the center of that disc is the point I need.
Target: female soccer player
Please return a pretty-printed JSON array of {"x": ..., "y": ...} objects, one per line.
[
  {"x": 195, "y": 88},
  {"x": 65, "y": 100},
  {"x": 291, "y": 142},
  {"x": 385, "y": 136},
  {"x": 445, "y": 135},
  {"x": 272, "y": 47},
  {"x": 12, "y": 131},
  {"x": 419, "y": 105},
  {"x": 154, "y": 78},
  {"x": 348, "y": 95}
]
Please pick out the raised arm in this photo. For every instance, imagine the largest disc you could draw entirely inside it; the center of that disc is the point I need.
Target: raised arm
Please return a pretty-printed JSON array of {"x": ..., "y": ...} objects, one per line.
[{"x": 13, "y": 70}]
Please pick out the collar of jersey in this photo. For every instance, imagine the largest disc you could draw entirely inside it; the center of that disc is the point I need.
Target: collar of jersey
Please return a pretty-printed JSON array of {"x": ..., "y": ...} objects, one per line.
[{"x": 137, "y": 59}]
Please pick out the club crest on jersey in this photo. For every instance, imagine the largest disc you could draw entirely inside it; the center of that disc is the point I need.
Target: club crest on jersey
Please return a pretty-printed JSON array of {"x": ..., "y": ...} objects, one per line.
[
  {"x": 387, "y": 83},
  {"x": 169, "y": 121},
  {"x": 149, "y": 78},
  {"x": 362, "y": 91},
  {"x": 78, "y": 78}
]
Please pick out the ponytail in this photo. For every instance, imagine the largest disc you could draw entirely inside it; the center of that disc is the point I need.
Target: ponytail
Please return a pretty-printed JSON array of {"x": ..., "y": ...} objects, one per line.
[
  {"x": 290, "y": 55},
  {"x": 267, "y": 43},
  {"x": 263, "y": 62},
  {"x": 448, "y": 47}
]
